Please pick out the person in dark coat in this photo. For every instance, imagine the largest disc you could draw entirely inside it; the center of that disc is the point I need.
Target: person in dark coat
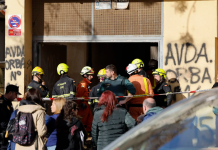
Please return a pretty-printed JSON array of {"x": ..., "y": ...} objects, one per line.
[
  {"x": 6, "y": 110},
  {"x": 162, "y": 88},
  {"x": 71, "y": 133},
  {"x": 38, "y": 82},
  {"x": 94, "y": 91},
  {"x": 109, "y": 122}
]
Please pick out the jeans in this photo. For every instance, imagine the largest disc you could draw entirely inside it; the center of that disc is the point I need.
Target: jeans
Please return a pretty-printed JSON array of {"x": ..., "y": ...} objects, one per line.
[{"x": 51, "y": 147}]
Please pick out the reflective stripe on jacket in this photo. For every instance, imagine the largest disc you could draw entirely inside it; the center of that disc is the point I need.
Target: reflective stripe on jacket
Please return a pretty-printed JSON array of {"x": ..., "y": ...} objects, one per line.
[
  {"x": 142, "y": 86},
  {"x": 93, "y": 93}
]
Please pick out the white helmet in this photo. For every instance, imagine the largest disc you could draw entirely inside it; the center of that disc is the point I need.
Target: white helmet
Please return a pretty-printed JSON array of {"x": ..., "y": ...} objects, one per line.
[
  {"x": 131, "y": 68},
  {"x": 87, "y": 70}
]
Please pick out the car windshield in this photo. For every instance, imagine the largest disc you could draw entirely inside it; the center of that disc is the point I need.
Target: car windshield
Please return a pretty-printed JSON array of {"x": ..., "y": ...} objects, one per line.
[{"x": 189, "y": 124}]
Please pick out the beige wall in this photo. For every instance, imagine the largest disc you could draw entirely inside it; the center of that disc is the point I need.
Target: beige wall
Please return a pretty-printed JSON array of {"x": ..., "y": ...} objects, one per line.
[
  {"x": 18, "y": 50},
  {"x": 190, "y": 28}
]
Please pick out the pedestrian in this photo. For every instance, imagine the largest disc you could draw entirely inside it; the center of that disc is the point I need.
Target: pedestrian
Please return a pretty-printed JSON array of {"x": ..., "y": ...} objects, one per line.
[
  {"x": 117, "y": 84},
  {"x": 12, "y": 145},
  {"x": 83, "y": 90},
  {"x": 65, "y": 86},
  {"x": 38, "y": 83},
  {"x": 94, "y": 91},
  {"x": 140, "y": 64},
  {"x": 143, "y": 87},
  {"x": 71, "y": 133},
  {"x": 32, "y": 105},
  {"x": 56, "y": 107},
  {"x": 150, "y": 108},
  {"x": 162, "y": 88},
  {"x": 110, "y": 121},
  {"x": 6, "y": 110}
]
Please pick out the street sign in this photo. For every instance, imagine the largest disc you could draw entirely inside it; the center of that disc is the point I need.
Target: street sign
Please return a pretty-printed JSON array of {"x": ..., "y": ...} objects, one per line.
[{"x": 14, "y": 25}]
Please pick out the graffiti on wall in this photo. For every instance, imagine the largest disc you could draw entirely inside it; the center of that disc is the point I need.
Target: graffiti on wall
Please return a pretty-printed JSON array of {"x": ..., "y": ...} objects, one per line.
[
  {"x": 14, "y": 61},
  {"x": 188, "y": 59}
]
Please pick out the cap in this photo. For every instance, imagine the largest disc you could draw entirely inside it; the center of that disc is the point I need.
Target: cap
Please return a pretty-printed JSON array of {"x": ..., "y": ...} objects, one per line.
[{"x": 12, "y": 88}]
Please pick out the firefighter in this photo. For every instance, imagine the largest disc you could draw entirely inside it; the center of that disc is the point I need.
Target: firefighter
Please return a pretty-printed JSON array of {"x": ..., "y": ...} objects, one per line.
[
  {"x": 152, "y": 65},
  {"x": 143, "y": 87},
  {"x": 162, "y": 87},
  {"x": 83, "y": 90},
  {"x": 38, "y": 83},
  {"x": 94, "y": 102},
  {"x": 65, "y": 86},
  {"x": 140, "y": 64}
]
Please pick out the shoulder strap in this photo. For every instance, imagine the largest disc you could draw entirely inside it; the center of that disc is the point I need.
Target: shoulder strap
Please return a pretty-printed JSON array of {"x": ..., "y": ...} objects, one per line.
[
  {"x": 145, "y": 84},
  {"x": 16, "y": 113}
]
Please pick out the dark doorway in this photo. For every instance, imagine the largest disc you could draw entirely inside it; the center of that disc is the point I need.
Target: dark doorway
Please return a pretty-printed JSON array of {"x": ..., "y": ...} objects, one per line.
[
  {"x": 51, "y": 57},
  {"x": 96, "y": 55},
  {"x": 119, "y": 54}
]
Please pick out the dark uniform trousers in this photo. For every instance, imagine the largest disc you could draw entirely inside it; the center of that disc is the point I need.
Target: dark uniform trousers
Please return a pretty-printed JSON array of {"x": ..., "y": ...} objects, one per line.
[{"x": 6, "y": 110}]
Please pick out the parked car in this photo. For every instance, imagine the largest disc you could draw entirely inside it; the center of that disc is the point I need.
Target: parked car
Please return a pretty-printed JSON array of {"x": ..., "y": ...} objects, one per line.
[{"x": 190, "y": 124}]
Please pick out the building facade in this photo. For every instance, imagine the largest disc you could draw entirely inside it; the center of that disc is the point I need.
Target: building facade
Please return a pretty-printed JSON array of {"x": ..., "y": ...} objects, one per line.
[{"x": 181, "y": 35}]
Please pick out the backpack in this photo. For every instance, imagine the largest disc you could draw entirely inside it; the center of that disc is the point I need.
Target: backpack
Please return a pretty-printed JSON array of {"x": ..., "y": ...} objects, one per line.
[{"x": 25, "y": 133}]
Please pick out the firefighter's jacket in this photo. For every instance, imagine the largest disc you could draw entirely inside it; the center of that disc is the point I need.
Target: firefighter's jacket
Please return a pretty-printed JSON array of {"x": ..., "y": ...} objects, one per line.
[
  {"x": 65, "y": 87},
  {"x": 83, "y": 90},
  {"x": 42, "y": 88},
  {"x": 143, "y": 87},
  {"x": 163, "y": 100},
  {"x": 93, "y": 93}
]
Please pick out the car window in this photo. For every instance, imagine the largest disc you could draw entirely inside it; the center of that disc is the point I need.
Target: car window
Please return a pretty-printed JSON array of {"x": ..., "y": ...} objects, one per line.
[{"x": 194, "y": 132}]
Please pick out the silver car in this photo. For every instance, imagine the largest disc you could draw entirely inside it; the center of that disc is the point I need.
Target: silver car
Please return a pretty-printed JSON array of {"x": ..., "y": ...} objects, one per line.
[{"x": 190, "y": 124}]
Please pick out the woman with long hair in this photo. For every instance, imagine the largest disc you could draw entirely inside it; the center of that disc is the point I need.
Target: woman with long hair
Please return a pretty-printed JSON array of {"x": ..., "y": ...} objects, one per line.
[
  {"x": 110, "y": 121},
  {"x": 56, "y": 108},
  {"x": 70, "y": 131},
  {"x": 33, "y": 105}
]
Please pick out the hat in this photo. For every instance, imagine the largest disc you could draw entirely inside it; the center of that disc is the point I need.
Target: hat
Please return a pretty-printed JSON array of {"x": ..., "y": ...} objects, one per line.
[{"x": 12, "y": 88}]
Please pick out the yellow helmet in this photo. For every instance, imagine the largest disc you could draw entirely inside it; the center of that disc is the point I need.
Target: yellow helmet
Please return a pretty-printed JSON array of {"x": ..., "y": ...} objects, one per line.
[
  {"x": 87, "y": 70},
  {"x": 160, "y": 72},
  {"x": 37, "y": 70},
  {"x": 62, "y": 68},
  {"x": 138, "y": 62},
  {"x": 101, "y": 73}
]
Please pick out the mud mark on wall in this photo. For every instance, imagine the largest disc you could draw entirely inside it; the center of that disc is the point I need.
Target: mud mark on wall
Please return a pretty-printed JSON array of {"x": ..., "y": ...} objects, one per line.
[
  {"x": 190, "y": 64},
  {"x": 180, "y": 6},
  {"x": 14, "y": 61}
]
